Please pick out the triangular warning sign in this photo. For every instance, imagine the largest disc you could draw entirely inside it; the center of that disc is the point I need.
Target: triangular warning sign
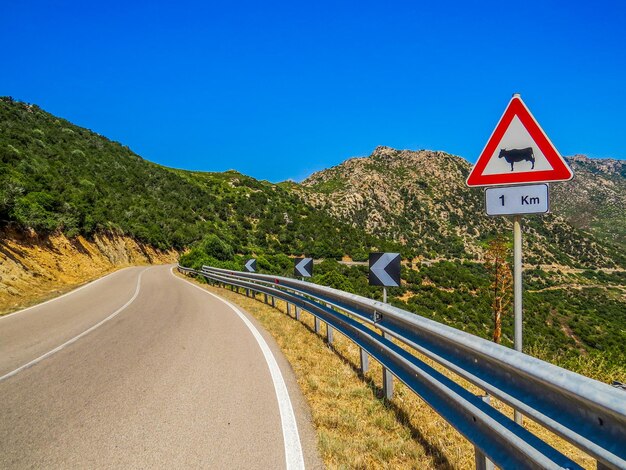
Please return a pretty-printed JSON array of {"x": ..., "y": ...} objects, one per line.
[{"x": 518, "y": 152}]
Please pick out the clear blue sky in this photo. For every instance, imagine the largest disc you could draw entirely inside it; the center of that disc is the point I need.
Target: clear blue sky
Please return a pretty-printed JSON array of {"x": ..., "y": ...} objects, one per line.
[{"x": 278, "y": 90}]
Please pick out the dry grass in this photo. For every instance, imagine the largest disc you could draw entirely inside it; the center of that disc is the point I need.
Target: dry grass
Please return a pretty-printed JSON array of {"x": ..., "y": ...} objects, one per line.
[{"x": 356, "y": 427}]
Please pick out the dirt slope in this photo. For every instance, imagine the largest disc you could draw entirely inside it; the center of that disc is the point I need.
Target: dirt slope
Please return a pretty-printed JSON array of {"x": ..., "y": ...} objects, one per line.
[{"x": 34, "y": 268}]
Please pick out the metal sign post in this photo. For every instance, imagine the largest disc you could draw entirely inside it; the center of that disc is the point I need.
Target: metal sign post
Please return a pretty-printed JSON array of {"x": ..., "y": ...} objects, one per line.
[
  {"x": 518, "y": 153},
  {"x": 387, "y": 376},
  {"x": 517, "y": 280},
  {"x": 384, "y": 271},
  {"x": 517, "y": 291}
]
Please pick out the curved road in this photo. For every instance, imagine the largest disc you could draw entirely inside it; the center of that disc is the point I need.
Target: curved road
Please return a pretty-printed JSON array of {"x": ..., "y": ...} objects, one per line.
[{"x": 142, "y": 369}]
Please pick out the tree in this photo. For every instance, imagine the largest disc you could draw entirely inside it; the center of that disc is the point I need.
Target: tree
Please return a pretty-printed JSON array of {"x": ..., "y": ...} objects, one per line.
[
  {"x": 214, "y": 246},
  {"x": 497, "y": 263}
]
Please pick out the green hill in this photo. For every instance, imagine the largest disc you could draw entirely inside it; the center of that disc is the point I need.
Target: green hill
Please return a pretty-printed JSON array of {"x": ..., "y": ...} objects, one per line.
[{"x": 57, "y": 176}]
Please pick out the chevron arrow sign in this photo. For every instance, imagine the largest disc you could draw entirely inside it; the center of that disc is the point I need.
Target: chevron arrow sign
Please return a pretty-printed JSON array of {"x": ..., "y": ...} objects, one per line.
[
  {"x": 304, "y": 267},
  {"x": 385, "y": 269},
  {"x": 251, "y": 265}
]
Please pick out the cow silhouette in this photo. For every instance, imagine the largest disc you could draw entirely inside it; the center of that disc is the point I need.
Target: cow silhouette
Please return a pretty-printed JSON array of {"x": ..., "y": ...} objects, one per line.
[{"x": 513, "y": 156}]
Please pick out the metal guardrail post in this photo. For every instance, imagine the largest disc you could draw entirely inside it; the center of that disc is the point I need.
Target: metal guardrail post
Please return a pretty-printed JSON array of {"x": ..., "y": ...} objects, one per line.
[
  {"x": 317, "y": 325},
  {"x": 365, "y": 361},
  {"x": 387, "y": 377},
  {"x": 265, "y": 298},
  {"x": 298, "y": 310},
  {"x": 329, "y": 329},
  {"x": 482, "y": 462},
  {"x": 273, "y": 301},
  {"x": 288, "y": 309}
]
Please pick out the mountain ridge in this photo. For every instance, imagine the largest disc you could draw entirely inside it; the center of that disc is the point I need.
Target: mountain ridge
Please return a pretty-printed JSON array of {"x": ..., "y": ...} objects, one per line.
[
  {"x": 57, "y": 176},
  {"x": 420, "y": 198}
]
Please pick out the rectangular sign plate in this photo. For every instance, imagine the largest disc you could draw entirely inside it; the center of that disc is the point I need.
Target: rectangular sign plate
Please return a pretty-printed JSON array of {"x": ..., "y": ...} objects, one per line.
[{"x": 515, "y": 200}]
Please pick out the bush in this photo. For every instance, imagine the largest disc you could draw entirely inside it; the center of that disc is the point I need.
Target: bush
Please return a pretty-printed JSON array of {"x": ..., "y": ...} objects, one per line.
[
  {"x": 215, "y": 247},
  {"x": 335, "y": 280}
]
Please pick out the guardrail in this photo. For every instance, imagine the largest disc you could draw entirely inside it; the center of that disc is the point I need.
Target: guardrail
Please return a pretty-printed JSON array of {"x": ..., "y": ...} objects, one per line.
[{"x": 589, "y": 414}]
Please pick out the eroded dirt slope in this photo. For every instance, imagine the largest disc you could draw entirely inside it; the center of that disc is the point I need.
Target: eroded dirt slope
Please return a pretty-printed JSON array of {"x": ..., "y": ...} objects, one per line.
[{"x": 34, "y": 268}]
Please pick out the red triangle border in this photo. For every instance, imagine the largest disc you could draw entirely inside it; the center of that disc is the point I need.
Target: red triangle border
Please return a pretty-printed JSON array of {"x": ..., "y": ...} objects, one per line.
[{"x": 560, "y": 170}]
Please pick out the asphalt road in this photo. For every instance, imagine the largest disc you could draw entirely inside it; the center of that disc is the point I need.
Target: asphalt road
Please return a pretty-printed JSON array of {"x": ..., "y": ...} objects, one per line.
[{"x": 142, "y": 369}]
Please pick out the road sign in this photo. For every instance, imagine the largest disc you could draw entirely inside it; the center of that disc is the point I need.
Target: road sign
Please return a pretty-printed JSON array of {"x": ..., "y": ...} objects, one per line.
[
  {"x": 251, "y": 265},
  {"x": 303, "y": 267},
  {"x": 518, "y": 152},
  {"x": 513, "y": 200},
  {"x": 384, "y": 269}
]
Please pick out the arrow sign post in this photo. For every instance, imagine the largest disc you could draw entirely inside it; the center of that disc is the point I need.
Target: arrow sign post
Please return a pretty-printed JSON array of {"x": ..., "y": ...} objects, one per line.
[
  {"x": 303, "y": 267},
  {"x": 518, "y": 153},
  {"x": 251, "y": 268},
  {"x": 251, "y": 265},
  {"x": 384, "y": 271}
]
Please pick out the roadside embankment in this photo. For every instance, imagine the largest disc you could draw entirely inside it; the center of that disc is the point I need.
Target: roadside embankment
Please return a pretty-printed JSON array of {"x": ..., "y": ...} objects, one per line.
[{"x": 34, "y": 268}]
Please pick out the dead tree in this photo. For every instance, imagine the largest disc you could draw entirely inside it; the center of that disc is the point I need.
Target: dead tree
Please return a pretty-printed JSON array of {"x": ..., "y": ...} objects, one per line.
[{"x": 497, "y": 263}]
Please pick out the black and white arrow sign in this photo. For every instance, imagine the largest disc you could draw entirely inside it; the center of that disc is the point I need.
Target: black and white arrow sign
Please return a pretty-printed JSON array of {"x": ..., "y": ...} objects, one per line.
[
  {"x": 385, "y": 269},
  {"x": 251, "y": 265},
  {"x": 304, "y": 267}
]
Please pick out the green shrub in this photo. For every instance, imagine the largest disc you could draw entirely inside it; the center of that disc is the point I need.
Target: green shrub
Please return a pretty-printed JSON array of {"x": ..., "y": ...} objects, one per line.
[{"x": 214, "y": 247}]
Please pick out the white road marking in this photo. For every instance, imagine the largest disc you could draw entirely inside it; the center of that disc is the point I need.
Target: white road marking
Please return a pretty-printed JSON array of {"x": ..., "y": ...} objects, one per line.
[
  {"x": 64, "y": 295},
  {"x": 291, "y": 437},
  {"x": 76, "y": 338}
]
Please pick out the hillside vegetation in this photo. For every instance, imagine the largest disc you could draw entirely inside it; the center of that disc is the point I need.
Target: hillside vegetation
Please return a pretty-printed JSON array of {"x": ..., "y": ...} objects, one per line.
[
  {"x": 57, "y": 178},
  {"x": 596, "y": 199},
  {"x": 420, "y": 199}
]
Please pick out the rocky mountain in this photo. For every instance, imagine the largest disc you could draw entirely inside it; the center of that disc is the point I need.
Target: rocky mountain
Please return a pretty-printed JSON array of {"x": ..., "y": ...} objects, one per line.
[
  {"x": 595, "y": 199},
  {"x": 58, "y": 177},
  {"x": 419, "y": 198}
]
